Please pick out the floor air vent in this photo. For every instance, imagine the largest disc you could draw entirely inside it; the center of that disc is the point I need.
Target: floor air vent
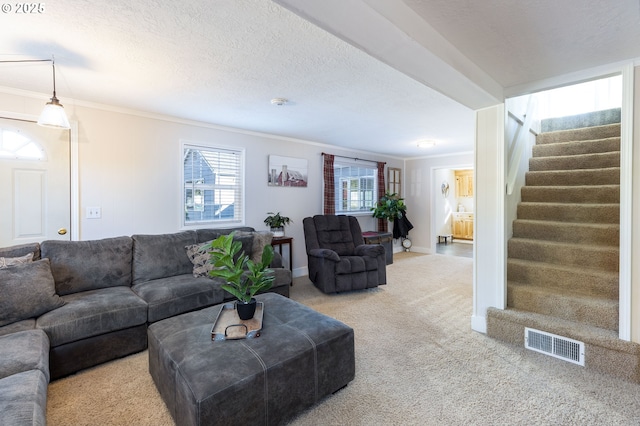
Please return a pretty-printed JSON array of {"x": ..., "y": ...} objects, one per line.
[{"x": 556, "y": 346}]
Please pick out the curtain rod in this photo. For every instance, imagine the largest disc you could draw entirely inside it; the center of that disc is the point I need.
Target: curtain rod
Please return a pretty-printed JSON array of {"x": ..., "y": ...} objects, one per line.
[{"x": 355, "y": 158}]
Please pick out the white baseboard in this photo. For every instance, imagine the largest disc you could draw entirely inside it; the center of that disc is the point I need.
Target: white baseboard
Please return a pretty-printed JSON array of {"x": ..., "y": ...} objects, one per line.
[
  {"x": 423, "y": 250},
  {"x": 300, "y": 272},
  {"x": 479, "y": 324}
]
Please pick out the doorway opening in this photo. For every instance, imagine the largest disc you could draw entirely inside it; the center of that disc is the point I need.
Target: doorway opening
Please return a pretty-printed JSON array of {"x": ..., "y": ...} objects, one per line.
[{"x": 453, "y": 212}]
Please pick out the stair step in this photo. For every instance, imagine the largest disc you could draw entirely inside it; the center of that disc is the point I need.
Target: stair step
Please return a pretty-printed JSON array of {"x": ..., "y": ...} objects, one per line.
[
  {"x": 574, "y": 162},
  {"x": 604, "y": 351},
  {"x": 586, "y": 256},
  {"x": 588, "y": 282},
  {"x": 568, "y": 232},
  {"x": 571, "y": 194},
  {"x": 570, "y": 212},
  {"x": 592, "y": 146},
  {"x": 606, "y": 176},
  {"x": 594, "y": 311},
  {"x": 588, "y": 119},
  {"x": 585, "y": 133}
]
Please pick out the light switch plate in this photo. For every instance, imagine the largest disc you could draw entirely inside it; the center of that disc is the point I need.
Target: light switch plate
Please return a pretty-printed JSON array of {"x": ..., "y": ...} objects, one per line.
[{"x": 94, "y": 212}]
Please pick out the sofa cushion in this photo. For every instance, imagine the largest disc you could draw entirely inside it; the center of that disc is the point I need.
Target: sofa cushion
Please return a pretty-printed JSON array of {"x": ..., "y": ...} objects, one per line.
[
  {"x": 245, "y": 238},
  {"x": 89, "y": 265},
  {"x": 14, "y": 327},
  {"x": 160, "y": 256},
  {"x": 6, "y": 262},
  {"x": 247, "y": 244},
  {"x": 21, "y": 250},
  {"x": 351, "y": 264},
  {"x": 175, "y": 295},
  {"x": 27, "y": 290},
  {"x": 209, "y": 234},
  {"x": 23, "y": 399},
  {"x": 93, "y": 312},
  {"x": 24, "y": 351}
]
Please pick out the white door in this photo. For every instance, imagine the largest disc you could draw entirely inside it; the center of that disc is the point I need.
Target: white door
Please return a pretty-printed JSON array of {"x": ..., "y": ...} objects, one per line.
[{"x": 34, "y": 183}]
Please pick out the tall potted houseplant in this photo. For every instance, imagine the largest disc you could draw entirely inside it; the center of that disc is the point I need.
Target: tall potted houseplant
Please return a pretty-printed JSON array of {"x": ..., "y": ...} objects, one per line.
[
  {"x": 244, "y": 278},
  {"x": 392, "y": 207},
  {"x": 276, "y": 222}
]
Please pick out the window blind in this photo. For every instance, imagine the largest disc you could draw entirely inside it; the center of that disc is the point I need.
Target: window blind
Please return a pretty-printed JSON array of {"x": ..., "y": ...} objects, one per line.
[{"x": 213, "y": 185}]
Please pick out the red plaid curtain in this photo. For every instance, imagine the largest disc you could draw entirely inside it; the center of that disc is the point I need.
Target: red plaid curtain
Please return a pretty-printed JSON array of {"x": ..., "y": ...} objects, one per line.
[
  {"x": 329, "y": 185},
  {"x": 382, "y": 223}
]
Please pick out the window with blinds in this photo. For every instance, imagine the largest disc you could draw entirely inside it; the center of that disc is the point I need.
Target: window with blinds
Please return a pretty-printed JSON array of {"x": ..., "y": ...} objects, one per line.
[
  {"x": 213, "y": 185},
  {"x": 356, "y": 187}
]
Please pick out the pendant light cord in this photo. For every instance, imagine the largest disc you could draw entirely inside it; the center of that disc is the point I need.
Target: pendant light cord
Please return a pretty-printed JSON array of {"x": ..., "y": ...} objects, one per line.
[
  {"x": 52, "y": 60},
  {"x": 53, "y": 64}
]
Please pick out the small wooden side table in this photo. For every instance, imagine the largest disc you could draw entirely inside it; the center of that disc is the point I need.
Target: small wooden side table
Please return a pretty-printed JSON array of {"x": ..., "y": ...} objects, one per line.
[
  {"x": 278, "y": 242},
  {"x": 384, "y": 238}
]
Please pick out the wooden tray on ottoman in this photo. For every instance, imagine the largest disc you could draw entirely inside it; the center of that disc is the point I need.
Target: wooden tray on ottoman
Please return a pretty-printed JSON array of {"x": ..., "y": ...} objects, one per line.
[{"x": 229, "y": 326}]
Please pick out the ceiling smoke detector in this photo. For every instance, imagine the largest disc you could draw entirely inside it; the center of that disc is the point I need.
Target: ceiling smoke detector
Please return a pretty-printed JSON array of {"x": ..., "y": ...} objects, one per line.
[
  {"x": 426, "y": 143},
  {"x": 279, "y": 101}
]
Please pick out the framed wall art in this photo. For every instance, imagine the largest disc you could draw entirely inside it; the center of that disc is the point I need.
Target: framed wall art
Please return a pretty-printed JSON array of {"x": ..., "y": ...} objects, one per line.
[{"x": 287, "y": 171}]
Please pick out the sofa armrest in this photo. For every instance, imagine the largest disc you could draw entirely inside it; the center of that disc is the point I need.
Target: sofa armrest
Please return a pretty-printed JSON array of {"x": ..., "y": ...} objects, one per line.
[
  {"x": 325, "y": 254},
  {"x": 371, "y": 250},
  {"x": 276, "y": 262}
]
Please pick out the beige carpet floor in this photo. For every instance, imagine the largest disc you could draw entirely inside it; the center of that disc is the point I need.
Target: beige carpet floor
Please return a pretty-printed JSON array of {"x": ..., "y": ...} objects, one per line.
[{"x": 417, "y": 363}]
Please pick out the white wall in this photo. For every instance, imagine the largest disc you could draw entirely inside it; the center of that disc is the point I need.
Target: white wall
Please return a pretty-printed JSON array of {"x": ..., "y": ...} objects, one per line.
[
  {"x": 129, "y": 165},
  {"x": 489, "y": 278},
  {"x": 635, "y": 231}
]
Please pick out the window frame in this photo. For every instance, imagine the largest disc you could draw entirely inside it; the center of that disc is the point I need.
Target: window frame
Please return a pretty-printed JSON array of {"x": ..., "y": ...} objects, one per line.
[
  {"x": 26, "y": 142},
  {"x": 238, "y": 219},
  {"x": 338, "y": 180}
]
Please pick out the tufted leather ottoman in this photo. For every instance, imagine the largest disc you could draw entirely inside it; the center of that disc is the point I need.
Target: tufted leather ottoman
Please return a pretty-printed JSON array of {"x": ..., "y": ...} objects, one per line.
[{"x": 300, "y": 357}]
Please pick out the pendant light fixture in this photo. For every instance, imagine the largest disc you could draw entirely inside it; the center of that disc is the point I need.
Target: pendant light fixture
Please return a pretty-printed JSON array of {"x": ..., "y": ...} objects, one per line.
[{"x": 53, "y": 114}]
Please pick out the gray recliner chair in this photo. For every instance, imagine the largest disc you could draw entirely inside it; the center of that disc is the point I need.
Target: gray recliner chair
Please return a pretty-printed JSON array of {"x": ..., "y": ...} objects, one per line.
[{"x": 339, "y": 260}]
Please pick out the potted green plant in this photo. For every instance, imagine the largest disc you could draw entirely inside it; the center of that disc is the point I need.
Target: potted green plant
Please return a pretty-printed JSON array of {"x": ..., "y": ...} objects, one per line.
[
  {"x": 392, "y": 207},
  {"x": 244, "y": 278},
  {"x": 276, "y": 222}
]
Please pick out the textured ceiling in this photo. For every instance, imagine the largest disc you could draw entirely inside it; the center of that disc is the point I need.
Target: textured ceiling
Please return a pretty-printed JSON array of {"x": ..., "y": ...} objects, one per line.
[
  {"x": 517, "y": 42},
  {"x": 222, "y": 61}
]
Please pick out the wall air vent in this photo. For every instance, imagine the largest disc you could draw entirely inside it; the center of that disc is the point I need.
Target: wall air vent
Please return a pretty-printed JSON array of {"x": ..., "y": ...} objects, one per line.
[{"x": 554, "y": 345}]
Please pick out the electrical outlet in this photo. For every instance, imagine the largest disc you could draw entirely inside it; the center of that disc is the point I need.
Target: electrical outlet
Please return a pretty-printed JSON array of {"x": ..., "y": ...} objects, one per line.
[{"x": 94, "y": 212}]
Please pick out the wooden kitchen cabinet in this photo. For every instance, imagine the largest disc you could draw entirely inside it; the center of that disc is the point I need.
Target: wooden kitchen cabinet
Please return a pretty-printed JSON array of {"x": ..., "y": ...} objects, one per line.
[
  {"x": 463, "y": 226},
  {"x": 464, "y": 183}
]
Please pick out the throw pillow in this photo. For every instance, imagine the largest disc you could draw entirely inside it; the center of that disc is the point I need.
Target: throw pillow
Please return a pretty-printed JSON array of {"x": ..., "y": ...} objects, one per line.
[
  {"x": 28, "y": 291},
  {"x": 261, "y": 239},
  {"x": 199, "y": 255},
  {"x": 5, "y": 262}
]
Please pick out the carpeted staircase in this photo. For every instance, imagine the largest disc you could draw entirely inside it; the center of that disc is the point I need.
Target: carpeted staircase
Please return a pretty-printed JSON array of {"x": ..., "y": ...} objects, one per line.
[{"x": 563, "y": 258}]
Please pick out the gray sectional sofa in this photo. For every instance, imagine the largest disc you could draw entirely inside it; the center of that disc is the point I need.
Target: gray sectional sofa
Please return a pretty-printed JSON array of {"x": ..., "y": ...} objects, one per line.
[{"x": 78, "y": 304}]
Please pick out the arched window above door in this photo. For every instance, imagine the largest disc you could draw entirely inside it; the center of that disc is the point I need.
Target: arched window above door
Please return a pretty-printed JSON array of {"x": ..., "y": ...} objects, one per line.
[{"x": 15, "y": 145}]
